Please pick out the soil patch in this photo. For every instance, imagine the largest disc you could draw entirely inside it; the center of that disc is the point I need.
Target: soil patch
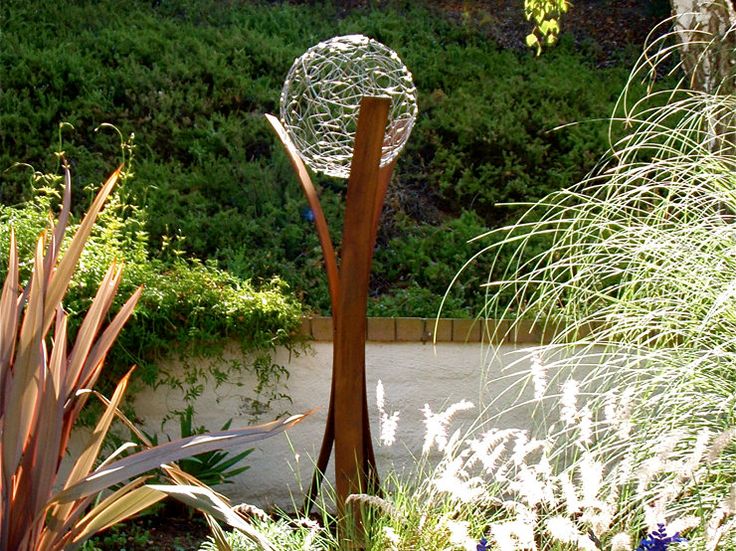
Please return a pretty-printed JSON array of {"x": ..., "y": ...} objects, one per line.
[
  {"x": 162, "y": 531},
  {"x": 604, "y": 26}
]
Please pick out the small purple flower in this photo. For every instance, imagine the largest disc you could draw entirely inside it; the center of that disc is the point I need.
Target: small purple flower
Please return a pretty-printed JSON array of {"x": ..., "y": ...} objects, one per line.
[
  {"x": 659, "y": 540},
  {"x": 482, "y": 545}
]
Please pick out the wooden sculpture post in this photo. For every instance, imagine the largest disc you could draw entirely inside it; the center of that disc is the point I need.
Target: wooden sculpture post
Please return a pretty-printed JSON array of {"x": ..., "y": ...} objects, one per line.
[{"x": 348, "y": 427}]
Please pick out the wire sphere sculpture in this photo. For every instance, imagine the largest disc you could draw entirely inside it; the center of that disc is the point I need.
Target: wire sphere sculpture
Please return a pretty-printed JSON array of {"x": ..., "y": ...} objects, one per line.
[{"x": 321, "y": 97}]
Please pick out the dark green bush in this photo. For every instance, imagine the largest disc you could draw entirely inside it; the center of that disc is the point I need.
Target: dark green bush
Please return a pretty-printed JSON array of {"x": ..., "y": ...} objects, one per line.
[
  {"x": 423, "y": 255},
  {"x": 489, "y": 135},
  {"x": 193, "y": 79}
]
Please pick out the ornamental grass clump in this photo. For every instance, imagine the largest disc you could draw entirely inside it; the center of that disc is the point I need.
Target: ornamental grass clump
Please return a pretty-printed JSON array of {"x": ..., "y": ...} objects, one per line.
[
  {"x": 45, "y": 381},
  {"x": 491, "y": 489},
  {"x": 519, "y": 492},
  {"x": 639, "y": 285},
  {"x": 485, "y": 488}
]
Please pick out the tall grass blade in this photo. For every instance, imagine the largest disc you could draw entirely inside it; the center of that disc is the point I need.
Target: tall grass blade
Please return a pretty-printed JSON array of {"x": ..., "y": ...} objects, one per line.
[
  {"x": 218, "y": 534},
  {"x": 47, "y": 437},
  {"x": 9, "y": 312},
  {"x": 57, "y": 237},
  {"x": 86, "y": 460},
  {"x": 90, "y": 327},
  {"x": 94, "y": 361},
  {"x": 68, "y": 263},
  {"x": 21, "y": 408}
]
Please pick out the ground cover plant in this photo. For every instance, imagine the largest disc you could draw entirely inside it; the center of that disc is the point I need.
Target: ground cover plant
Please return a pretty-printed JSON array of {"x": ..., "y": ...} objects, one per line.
[{"x": 193, "y": 79}]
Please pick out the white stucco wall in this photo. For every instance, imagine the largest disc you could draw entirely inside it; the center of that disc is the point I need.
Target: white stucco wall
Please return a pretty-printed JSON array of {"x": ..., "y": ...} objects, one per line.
[{"x": 413, "y": 374}]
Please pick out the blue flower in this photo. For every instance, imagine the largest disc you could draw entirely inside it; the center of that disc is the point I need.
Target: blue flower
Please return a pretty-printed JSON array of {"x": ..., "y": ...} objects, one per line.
[
  {"x": 659, "y": 540},
  {"x": 307, "y": 214},
  {"x": 482, "y": 545}
]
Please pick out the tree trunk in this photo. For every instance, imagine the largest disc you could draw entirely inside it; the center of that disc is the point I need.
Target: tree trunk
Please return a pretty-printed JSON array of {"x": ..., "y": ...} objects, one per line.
[{"x": 705, "y": 29}]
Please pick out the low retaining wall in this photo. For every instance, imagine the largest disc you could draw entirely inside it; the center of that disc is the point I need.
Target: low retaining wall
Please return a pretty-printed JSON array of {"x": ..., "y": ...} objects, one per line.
[
  {"x": 440, "y": 330},
  {"x": 414, "y": 372}
]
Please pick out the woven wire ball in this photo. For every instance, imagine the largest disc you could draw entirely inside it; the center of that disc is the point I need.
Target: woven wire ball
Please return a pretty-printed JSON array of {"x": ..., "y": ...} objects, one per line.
[{"x": 321, "y": 97}]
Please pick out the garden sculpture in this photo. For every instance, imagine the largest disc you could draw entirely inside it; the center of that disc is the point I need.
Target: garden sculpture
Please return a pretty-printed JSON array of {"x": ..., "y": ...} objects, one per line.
[{"x": 347, "y": 108}]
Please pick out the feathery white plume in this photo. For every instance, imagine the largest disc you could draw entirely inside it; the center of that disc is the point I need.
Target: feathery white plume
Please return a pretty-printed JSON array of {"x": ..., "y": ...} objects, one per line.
[
  {"x": 489, "y": 448},
  {"x": 392, "y": 537},
  {"x": 539, "y": 375},
  {"x": 562, "y": 529},
  {"x": 621, "y": 542},
  {"x": 528, "y": 487},
  {"x": 452, "y": 479},
  {"x": 436, "y": 424},
  {"x": 514, "y": 535},
  {"x": 459, "y": 533},
  {"x": 719, "y": 444},
  {"x": 591, "y": 479},
  {"x": 572, "y": 503},
  {"x": 568, "y": 403},
  {"x": 387, "y": 424},
  {"x": 585, "y": 435}
]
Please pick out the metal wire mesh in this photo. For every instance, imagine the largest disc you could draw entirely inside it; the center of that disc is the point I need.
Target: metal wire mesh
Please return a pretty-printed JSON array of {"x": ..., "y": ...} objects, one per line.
[{"x": 321, "y": 97}]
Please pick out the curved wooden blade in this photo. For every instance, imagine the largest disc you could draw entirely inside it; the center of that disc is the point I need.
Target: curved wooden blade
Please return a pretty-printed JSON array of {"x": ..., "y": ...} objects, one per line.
[
  {"x": 328, "y": 250},
  {"x": 328, "y": 440},
  {"x": 351, "y": 442},
  {"x": 384, "y": 179}
]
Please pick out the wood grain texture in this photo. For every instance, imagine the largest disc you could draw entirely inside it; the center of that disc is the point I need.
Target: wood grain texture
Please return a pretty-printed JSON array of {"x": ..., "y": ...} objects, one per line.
[
  {"x": 348, "y": 427},
  {"x": 352, "y": 432}
]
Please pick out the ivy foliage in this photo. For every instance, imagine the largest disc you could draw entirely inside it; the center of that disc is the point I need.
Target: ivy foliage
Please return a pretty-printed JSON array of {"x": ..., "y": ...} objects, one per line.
[
  {"x": 193, "y": 78},
  {"x": 188, "y": 307}
]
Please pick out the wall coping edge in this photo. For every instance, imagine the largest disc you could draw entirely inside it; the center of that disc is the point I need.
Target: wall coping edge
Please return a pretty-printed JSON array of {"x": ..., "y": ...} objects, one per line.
[{"x": 456, "y": 330}]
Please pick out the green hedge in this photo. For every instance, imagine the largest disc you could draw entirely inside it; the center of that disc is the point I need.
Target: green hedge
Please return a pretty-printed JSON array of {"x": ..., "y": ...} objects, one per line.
[{"x": 192, "y": 80}]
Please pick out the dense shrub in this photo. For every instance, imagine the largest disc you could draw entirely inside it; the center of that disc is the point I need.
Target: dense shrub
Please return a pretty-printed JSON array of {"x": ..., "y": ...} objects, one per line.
[
  {"x": 411, "y": 263},
  {"x": 192, "y": 79}
]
